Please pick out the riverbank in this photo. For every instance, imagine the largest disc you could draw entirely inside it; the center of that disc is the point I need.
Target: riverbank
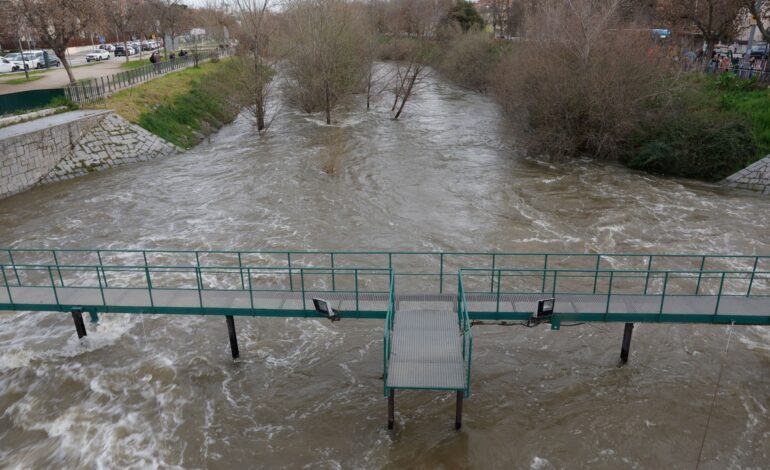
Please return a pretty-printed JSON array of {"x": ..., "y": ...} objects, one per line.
[
  {"x": 688, "y": 125},
  {"x": 183, "y": 107}
]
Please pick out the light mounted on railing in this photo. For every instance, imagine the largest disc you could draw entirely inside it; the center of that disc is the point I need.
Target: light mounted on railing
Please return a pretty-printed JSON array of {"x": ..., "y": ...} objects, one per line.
[
  {"x": 324, "y": 308},
  {"x": 544, "y": 311}
]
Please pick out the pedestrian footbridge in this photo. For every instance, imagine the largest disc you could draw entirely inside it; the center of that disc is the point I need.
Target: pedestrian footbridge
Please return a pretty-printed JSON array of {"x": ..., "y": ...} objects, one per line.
[{"x": 429, "y": 301}]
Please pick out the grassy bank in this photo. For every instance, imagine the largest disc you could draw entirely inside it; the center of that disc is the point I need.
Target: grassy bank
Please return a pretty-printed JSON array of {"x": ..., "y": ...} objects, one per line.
[
  {"x": 184, "y": 106},
  {"x": 717, "y": 126}
]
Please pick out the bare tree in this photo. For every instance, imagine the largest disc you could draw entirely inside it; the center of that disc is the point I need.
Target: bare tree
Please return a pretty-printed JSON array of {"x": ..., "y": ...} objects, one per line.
[
  {"x": 325, "y": 61},
  {"x": 581, "y": 81},
  {"x": 759, "y": 12},
  {"x": 172, "y": 18},
  {"x": 715, "y": 19},
  {"x": 57, "y": 22},
  {"x": 419, "y": 20},
  {"x": 257, "y": 66},
  {"x": 118, "y": 16}
]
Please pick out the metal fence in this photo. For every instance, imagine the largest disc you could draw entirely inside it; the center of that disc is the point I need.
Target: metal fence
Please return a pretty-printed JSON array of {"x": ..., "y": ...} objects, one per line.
[
  {"x": 24, "y": 100},
  {"x": 94, "y": 91}
]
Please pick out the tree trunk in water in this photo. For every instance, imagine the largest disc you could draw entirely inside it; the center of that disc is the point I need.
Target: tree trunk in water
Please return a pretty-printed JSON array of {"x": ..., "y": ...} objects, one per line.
[
  {"x": 408, "y": 91},
  {"x": 260, "y": 113},
  {"x": 328, "y": 105}
]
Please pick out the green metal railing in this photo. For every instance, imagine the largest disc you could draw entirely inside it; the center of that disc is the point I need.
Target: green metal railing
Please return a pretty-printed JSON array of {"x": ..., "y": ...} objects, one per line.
[
  {"x": 611, "y": 284},
  {"x": 352, "y": 272},
  {"x": 435, "y": 271},
  {"x": 388, "y": 334},
  {"x": 467, "y": 333},
  {"x": 154, "y": 279}
]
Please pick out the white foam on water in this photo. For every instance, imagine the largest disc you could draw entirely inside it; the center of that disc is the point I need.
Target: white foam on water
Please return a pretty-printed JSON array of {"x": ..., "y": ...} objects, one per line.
[{"x": 539, "y": 463}]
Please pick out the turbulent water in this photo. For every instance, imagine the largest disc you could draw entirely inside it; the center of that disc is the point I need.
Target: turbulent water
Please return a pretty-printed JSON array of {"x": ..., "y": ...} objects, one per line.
[{"x": 149, "y": 391}]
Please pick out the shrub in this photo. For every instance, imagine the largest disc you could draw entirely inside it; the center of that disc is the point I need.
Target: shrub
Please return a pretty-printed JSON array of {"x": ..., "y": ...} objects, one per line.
[
  {"x": 581, "y": 81},
  {"x": 705, "y": 145},
  {"x": 467, "y": 58}
]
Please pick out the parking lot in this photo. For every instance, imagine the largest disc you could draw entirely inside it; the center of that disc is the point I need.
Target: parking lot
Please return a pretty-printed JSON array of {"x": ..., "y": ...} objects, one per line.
[{"x": 56, "y": 77}]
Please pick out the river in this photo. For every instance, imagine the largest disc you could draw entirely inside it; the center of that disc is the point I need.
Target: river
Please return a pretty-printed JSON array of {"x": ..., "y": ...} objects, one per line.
[{"x": 149, "y": 391}]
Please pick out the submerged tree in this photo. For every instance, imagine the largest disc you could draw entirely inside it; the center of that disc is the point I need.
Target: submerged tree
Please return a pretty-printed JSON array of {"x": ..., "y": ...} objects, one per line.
[
  {"x": 257, "y": 67},
  {"x": 324, "y": 62}
]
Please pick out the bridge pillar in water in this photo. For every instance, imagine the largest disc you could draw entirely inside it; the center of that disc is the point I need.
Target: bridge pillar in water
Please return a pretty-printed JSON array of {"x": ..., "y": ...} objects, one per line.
[
  {"x": 80, "y": 327},
  {"x": 233, "y": 338},
  {"x": 94, "y": 317},
  {"x": 459, "y": 410},
  {"x": 627, "y": 332},
  {"x": 391, "y": 408}
]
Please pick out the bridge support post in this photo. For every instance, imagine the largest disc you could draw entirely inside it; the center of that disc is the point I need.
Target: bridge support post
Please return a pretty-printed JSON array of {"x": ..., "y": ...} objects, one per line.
[
  {"x": 627, "y": 332},
  {"x": 459, "y": 410},
  {"x": 233, "y": 338},
  {"x": 80, "y": 327},
  {"x": 94, "y": 317},
  {"x": 391, "y": 408}
]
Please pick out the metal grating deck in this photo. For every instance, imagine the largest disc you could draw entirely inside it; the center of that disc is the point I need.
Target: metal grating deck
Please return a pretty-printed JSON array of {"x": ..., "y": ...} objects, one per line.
[{"x": 427, "y": 347}]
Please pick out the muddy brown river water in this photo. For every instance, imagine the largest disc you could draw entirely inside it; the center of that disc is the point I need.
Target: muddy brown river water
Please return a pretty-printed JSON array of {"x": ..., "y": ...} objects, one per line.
[{"x": 163, "y": 392}]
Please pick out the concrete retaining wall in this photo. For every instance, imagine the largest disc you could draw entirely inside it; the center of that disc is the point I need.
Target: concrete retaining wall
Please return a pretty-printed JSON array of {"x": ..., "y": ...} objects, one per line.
[
  {"x": 69, "y": 145},
  {"x": 755, "y": 177}
]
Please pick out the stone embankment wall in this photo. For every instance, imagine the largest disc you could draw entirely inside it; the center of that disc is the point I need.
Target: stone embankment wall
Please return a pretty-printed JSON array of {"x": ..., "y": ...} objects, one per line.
[
  {"x": 755, "y": 177},
  {"x": 72, "y": 147}
]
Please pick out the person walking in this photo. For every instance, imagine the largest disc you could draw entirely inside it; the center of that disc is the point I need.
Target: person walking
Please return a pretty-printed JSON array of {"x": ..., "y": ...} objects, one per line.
[{"x": 155, "y": 60}]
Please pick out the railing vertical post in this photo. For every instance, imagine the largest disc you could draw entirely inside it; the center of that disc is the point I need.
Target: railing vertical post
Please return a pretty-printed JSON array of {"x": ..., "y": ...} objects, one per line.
[
  {"x": 199, "y": 282},
  {"x": 663, "y": 295},
  {"x": 7, "y": 287},
  {"x": 101, "y": 288},
  {"x": 291, "y": 281},
  {"x": 753, "y": 272},
  {"x": 58, "y": 269},
  {"x": 15, "y": 272},
  {"x": 198, "y": 269},
  {"x": 609, "y": 296},
  {"x": 240, "y": 269},
  {"x": 596, "y": 271},
  {"x": 334, "y": 280},
  {"x": 492, "y": 277},
  {"x": 149, "y": 284},
  {"x": 719, "y": 294},
  {"x": 251, "y": 293},
  {"x": 545, "y": 267},
  {"x": 700, "y": 274},
  {"x": 302, "y": 282},
  {"x": 356, "y": 279},
  {"x": 497, "y": 304},
  {"x": 104, "y": 274},
  {"x": 441, "y": 274},
  {"x": 647, "y": 279},
  {"x": 53, "y": 286}
]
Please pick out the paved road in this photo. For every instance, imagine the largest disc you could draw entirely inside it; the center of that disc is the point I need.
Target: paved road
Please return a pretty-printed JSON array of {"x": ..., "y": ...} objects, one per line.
[{"x": 57, "y": 76}]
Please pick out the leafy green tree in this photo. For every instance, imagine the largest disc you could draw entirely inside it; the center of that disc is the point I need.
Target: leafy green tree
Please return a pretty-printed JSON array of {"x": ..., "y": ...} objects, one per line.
[{"x": 465, "y": 14}]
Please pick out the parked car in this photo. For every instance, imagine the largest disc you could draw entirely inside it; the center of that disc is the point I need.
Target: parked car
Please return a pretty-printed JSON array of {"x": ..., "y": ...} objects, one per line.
[
  {"x": 7, "y": 66},
  {"x": 97, "y": 54},
  {"x": 107, "y": 47},
  {"x": 120, "y": 50},
  {"x": 28, "y": 61},
  {"x": 53, "y": 61}
]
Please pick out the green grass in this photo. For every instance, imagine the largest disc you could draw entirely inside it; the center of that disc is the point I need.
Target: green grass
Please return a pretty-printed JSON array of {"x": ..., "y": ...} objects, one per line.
[
  {"x": 716, "y": 126},
  {"x": 134, "y": 64},
  {"x": 22, "y": 80},
  {"x": 749, "y": 100},
  {"x": 181, "y": 106}
]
